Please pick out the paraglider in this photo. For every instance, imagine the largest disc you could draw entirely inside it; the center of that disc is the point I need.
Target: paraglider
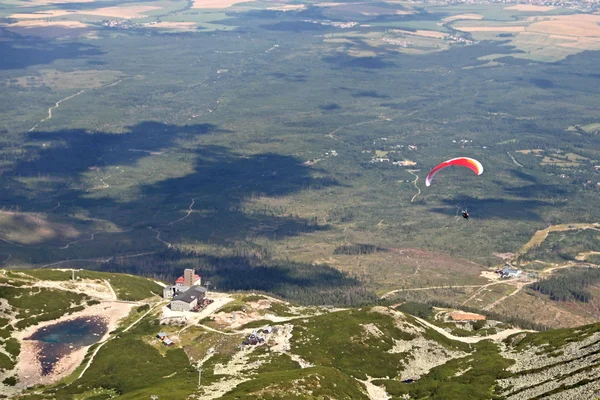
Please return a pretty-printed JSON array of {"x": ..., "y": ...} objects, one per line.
[{"x": 467, "y": 162}]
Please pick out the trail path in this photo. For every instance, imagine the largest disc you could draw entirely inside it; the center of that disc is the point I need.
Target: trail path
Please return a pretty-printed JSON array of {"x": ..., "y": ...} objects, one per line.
[
  {"x": 190, "y": 210},
  {"x": 520, "y": 286},
  {"x": 169, "y": 245},
  {"x": 427, "y": 288},
  {"x": 412, "y": 172},
  {"x": 98, "y": 260},
  {"x": 57, "y": 104},
  {"x": 208, "y": 328},
  {"x": 114, "y": 295},
  {"x": 471, "y": 339},
  {"x": 80, "y": 240},
  {"x": 333, "y": 132},
  {"x": 485, "y": 286},
  {"x": 111, "y": 338},
  {"x": 513, "y": 159}
]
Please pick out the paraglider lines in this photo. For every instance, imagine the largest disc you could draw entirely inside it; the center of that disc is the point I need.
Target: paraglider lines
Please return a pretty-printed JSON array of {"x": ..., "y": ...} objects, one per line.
[
  {"x": 190, "y": 209},
  {"x": 412, "y": 172}
]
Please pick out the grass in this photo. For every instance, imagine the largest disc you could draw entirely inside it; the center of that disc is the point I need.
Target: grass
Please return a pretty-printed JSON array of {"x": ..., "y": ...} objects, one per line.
[
  {"x": 127, "y": 287},
  {"x": 253, "y": 298},
  {"x": 282, "y": 310},
  {"x": 344, "y": 345},
  {"x": 36, "y": 302},
  {"x": 315, "y": 382},
  {"x": 6, "y": 363},
  {"x": 135, "y": 374},
  {"x": 553, "y": 340},
  {"x": 13, "y": 347},
  {"x": 564, "y": 246}
]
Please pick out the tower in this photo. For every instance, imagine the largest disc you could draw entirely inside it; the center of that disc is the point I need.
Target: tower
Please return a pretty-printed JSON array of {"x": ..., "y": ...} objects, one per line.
[{"x": 188, "y": 277}]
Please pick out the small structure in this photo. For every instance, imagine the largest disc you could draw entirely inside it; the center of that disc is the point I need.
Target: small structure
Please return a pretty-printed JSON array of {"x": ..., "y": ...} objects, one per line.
[
  {"x": 173, "y": 290},
  {"x": 188, "y": 300},
  {"x": 162, "y": 335},
  {"x": 189, "y": 278},
  {"x": 167, "y": 342},
  {"x": 509, "y": 272},
  {"x": 465, "y": 316}
]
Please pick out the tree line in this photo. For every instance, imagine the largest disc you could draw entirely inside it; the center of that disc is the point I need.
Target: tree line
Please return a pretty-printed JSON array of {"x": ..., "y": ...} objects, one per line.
[
  {"x": 303, "y": 283},
  {"x": 570, "y": 285}
]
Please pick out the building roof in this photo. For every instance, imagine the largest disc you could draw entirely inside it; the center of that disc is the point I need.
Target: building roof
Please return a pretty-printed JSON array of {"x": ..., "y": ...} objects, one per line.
[
  {"x": 167, "y": 341},
  {"x": 162, "y": 334},
  {"x": 192, "y": 293},
  {"x": 180, "y": 279},
  {"x": 464, "y": 316}
]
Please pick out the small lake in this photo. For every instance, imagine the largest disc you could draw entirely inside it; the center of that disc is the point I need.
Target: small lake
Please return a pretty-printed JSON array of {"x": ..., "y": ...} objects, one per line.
[{"x": 58, "y": 340}]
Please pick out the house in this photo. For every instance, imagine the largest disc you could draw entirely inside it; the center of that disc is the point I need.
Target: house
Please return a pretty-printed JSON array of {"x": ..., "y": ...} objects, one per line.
[
  {"x": 509, "y": 272},
  {"x": 189, "y": 278},
  {"x": 162, "y": 335},
  {"x": 188, "y": 300},
  {"x": 172, "y": 290},
  {"x": 167, "y": 342}
]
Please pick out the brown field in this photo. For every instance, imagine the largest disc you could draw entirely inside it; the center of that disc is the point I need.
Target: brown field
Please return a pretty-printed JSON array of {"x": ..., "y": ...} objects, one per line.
[
  {"x": 328, "y": 4},
  {"x": 35, "y": 23},
  {"x": 50, "y": 29},
  {"x": 184, "y": 26},
  {"x": 534, "y": 151},
  {"x": 462, "y": 16},
  {"x": 419, "y": 32},
  {"x": 580, "y": 25},
  {"x": 529, "y": 7},
  {"x": 43, "y": 14},
  {"x": 216, "y": 3},
  {"x": 491, "y": 28},
  {"x": 287, "y": 7},
  {"x": 125, "y": 12},
  {"x": 545, "y": 38},
  {"x": 34, "y": 3}
]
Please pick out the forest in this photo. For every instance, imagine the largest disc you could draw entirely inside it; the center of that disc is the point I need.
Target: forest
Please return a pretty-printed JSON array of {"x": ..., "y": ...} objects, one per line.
[{"x": 569, "y": 285}]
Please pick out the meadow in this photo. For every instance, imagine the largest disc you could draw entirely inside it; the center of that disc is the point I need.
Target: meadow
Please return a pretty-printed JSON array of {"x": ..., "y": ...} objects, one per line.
[{"x": 256, "y": 141}]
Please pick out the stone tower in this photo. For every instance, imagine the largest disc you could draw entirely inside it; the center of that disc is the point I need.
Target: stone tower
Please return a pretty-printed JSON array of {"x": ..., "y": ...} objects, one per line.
[{"x": 188, "y": 277}]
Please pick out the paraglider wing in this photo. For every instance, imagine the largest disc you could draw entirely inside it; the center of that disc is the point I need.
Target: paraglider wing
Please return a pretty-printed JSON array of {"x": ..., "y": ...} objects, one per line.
[{"x": 470, "y": 163}]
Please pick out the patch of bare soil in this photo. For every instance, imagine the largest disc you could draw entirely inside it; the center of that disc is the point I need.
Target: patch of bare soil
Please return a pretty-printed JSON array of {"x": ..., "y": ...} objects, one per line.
[
  {"x": 98, "y": 290},
  {"x": 422, "y": 355}
]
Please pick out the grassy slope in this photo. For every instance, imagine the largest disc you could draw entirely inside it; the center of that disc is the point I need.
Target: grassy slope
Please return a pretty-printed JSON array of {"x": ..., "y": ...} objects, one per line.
[{"x": 127, "y": 287}]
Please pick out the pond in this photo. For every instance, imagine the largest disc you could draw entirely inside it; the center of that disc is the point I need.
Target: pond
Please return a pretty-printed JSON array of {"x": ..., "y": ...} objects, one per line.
[{"x": 58, "y": 340}]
